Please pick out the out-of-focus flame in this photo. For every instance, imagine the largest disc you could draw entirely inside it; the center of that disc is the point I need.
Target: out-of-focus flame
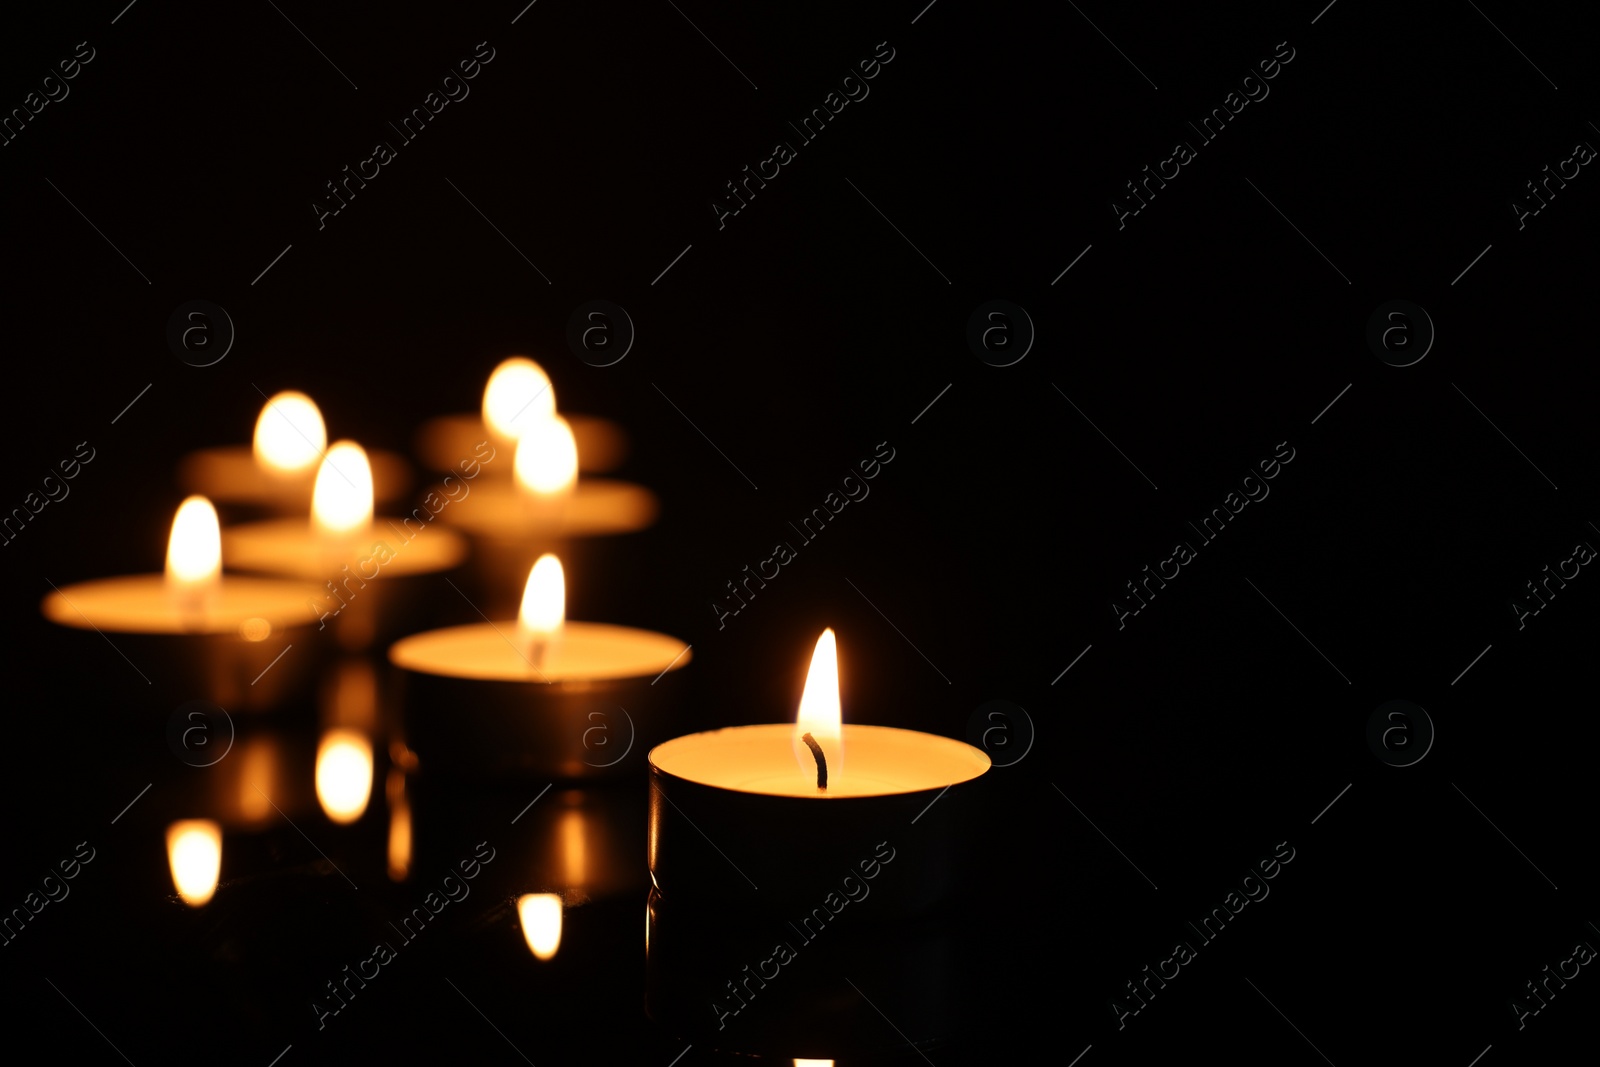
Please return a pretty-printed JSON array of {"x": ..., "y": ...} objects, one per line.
[
  {"x": 194, "y": 851},
  {"x": 344, "y": 774},
  {"x": 546, "y": 463},
  {"x": 518, "y": 396},
  {"x": 544, "y": 599},
  {"x": 819, "y": 713},
  {"x": 194, "y": 550},
  {"x": 341, "y": 502},
  {"x": 290, "y": 435},
  {"x": 541, "y": 922}
]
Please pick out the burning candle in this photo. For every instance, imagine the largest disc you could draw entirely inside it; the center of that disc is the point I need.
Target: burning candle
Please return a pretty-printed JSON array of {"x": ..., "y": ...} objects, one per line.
[
  {"x": 194, "y": 618},
  {"x": 840, "y": 788},
  {"x": 541, "y": 693},
  {"x": 344, "y": 547},
  {"x": 517, "y": 397},
  {"x": 277, "y": 470},
  {"x": 760, "y": 837}
]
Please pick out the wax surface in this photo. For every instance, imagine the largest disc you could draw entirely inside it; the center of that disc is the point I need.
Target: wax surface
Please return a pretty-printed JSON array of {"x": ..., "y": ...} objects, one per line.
[
  {"x": 585, "y": 652},
  {"x": 230, "y": 475},
  {"x": 143, "y": 604},
  {"x": 595, "y": 506},
  {"x": 878, "y": 760},
  {"x": 292, "y": 547},
  {"x": 445, "y": 441}
]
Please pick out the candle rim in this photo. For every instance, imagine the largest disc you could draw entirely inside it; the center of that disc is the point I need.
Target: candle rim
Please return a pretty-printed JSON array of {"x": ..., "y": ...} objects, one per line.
[{"x": 981, "y": 761}]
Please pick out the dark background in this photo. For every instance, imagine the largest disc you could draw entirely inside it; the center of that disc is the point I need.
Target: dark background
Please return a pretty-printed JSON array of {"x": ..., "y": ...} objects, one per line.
[{"x": 1206, "y": 331}]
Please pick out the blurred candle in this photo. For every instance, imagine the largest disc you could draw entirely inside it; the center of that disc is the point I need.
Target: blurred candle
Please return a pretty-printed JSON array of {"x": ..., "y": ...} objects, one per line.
[
  {"x": 194, "y": 851},
  {"x": 341, "y": 502},
  {"x": 290, "y": 435},
  {"x": 517, "y": 397},
  {"x": 194, "y": 556}
]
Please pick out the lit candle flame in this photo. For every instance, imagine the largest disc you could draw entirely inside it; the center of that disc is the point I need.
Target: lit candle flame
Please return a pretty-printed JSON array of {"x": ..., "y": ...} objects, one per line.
[
  {"x": 194, "y": 550},
  {"x": 194, "y": 851},
  {"x": 290, "y": 435},
  {"x": 546, "y": 463},
  {"x": 541, "y": 922},
  {"x": 813, "y": 1063},
  {"x": 344, "y": 774},
  {"x": 518, "y": 396},
  {"x": 819, "y": 714},
  {"x": 544, "y": 606},
  {"x": 341, "y": 503}
]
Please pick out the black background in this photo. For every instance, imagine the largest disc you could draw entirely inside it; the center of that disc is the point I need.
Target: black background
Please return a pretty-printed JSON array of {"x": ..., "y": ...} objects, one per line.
[{"x": 1209, "y": 728}]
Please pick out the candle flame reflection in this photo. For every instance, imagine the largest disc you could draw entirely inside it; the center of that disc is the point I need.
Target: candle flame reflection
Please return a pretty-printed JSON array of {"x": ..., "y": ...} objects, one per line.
[
  {"x": 344, "y": 774},
  {"x": 341, "y": 502},
  {"x": 518, "y": 396},
  {"x": 290, "y": 434},
  {"x": 194, "y": 851},
  {"x": 399, "y": 826},
  {"x": 540, "y": 914},
  {"x": 546, "y": 462},
  {"x": 194, "y": 550},
  {"x": 820, "y": 714}
]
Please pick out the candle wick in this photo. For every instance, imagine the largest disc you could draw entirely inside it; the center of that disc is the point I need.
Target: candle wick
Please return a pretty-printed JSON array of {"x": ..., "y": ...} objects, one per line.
[{"x": 822, "y": 762}]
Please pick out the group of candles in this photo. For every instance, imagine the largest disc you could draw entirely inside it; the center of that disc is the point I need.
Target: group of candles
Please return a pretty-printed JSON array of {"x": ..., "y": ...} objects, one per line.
[{"x": 507, "y": 696}]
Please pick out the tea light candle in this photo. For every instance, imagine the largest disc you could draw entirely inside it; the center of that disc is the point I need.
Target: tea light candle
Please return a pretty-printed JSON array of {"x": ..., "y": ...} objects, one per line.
[
  {"x": 277, "y": 471},
  {"x": 546, "y": 500},
  {"x": 540, "y": 694},
  {"x": 194, "y": 620},
  {"x": 344, "y": 547},
  {"x": 831, "y": 792},
  {"x": 517, "y": 396}
]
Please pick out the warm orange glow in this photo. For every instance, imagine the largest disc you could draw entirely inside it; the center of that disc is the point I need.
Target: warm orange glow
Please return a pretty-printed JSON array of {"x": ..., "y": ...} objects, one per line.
[
  {"x": 518, "y": 396},
  {"x": 341, "y": 503},
  {"x": 574, "y": 852},
  {"x": 541, "y": 922},
  {"x": 399, "y": 826},
  {"x": 819, "y": 714},
  {"x": 258, "y": 770},
  {"x": 544, "y": 602},
  {"x": 813, "y": 1063},
  {"x": 350, "y": 696},
  {"x": 194, "y": 851},
  {"x": 194, "y": 550},
  {"x": 546, "y": 463},
  {"x": 290, "y": 435},
  {"x": 344, "y": 774}
]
